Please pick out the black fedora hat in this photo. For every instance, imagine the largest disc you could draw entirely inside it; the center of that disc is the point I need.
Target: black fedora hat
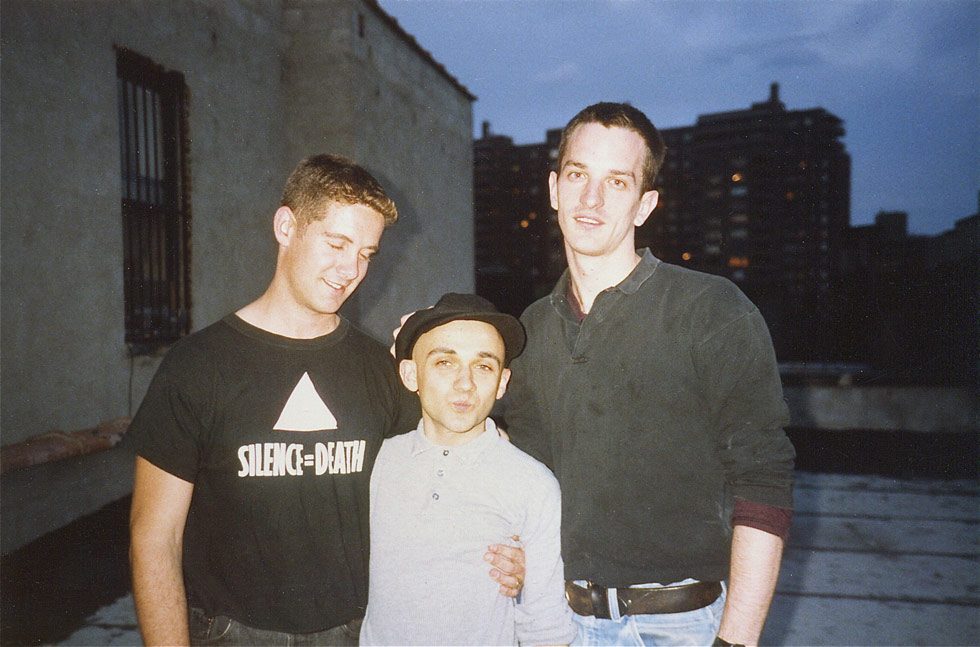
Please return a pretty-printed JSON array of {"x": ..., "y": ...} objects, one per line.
[{"x": 469, "y": 307}]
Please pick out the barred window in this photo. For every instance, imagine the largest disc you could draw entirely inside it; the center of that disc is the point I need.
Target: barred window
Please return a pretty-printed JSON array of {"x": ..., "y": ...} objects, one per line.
[{"x": 155, "y": 202}]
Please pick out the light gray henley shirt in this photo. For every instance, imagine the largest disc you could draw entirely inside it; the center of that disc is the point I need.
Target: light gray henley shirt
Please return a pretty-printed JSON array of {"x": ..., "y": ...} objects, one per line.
[{"x": 434, "y": 511}]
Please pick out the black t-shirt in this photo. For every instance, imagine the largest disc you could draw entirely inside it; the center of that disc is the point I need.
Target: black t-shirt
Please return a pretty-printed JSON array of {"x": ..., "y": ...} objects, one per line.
[{"x": 279, "y": 436}]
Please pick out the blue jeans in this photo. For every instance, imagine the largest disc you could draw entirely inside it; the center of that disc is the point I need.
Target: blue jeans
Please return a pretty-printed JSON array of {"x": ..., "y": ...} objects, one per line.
[
  {"x": 222, "y": 630},
  {"x": 698, "y": 627}
]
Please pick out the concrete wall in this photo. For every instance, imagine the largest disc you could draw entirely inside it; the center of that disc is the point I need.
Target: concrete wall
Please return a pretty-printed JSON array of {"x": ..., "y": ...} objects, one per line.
[
  {"x": 65, "y": 362},
  {"x": 270, "y": 81},
  {"x": 373, "y": 98},
  {"x": 915, "y": 409}
]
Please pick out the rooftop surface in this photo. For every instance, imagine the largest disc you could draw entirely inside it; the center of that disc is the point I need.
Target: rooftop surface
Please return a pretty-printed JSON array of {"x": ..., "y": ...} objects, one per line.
[{"x": 872, "y": 560}]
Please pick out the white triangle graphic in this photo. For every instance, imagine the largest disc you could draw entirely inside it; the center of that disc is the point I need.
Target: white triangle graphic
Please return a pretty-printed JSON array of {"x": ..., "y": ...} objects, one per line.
[{"x": 305, "y": 410}]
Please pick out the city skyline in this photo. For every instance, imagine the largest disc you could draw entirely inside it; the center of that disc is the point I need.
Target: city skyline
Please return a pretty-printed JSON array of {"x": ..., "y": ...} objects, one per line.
[{"x": 900, "y": 74}]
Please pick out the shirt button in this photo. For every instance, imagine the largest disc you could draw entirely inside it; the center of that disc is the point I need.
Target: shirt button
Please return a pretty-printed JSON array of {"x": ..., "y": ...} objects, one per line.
[
  {"x": 440, "y": 472},
  {"x": 445, "y": 452},
  {"x": 435, "y": 496}
]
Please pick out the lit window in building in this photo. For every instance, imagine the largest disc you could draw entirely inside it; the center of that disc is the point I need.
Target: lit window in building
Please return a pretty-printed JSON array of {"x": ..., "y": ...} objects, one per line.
[
  {"x": 736, "y": 177},
  {"x": 686, "y": 256},
  {"x": 525, "y": 224},
  {"x": 533, "y": 215},
  {"x": 738, "y": 261}
]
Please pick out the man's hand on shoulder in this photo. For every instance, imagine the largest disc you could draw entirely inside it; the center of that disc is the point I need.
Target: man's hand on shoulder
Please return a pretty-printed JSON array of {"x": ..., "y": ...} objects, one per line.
[{"x": 508, "y": 567}]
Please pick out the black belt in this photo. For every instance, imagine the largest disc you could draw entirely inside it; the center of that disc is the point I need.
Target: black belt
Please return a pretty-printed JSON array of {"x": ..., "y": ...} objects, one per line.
[{"x": 593, "y": 600}]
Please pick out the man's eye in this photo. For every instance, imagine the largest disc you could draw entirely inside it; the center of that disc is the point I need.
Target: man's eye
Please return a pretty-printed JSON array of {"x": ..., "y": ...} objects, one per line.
[
  {"x": 337, "y": 246},
  {"x": 575, "y": 175}
]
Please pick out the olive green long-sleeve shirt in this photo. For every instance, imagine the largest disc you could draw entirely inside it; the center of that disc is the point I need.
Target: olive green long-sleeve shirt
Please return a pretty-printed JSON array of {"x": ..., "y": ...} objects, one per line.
[{"x": 655, "y": 411}]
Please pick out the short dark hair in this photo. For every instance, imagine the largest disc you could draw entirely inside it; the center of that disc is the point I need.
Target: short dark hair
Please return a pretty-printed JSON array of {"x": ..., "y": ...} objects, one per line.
[
  {"x": 320, "y": 179},
  {"x": 621, "y": 115}
]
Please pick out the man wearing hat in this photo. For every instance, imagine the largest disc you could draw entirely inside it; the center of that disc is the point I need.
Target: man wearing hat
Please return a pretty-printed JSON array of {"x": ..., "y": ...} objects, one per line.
[{"x": 440, "y": 491}]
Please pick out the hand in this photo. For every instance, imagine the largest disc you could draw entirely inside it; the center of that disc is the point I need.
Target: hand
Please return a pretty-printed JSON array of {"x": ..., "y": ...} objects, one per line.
[{"x": 508, "y": 567}]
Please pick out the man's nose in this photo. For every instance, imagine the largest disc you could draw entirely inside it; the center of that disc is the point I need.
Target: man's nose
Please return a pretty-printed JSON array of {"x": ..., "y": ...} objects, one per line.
[
  {"x": 348, "y": 267},
  {"x": 592, "y": 196},
  {"x": 464, "y": 380}
]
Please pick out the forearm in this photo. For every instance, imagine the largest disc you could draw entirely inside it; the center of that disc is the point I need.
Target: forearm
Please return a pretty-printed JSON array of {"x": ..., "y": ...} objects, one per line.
[
  {"x": 156, "y": 530},
  {"x": 756, "y": 556},
  {"x": 158, "y": 592}
]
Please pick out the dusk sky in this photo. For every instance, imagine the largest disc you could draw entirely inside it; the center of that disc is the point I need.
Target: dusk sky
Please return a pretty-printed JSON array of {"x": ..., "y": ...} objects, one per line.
[{"x": 902, "y": 75}]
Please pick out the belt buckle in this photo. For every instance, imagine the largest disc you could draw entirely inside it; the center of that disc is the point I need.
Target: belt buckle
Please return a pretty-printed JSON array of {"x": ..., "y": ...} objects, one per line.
[{"x": 599, "y": 596}]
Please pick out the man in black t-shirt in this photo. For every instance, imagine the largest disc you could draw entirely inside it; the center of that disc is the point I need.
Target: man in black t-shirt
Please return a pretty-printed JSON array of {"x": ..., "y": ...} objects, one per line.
[{"x": 256, "y": 439}]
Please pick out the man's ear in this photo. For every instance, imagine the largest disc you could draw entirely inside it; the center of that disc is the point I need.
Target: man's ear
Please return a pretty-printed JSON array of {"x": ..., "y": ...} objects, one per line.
[
  {"x": 553, "y": 189},
  {"x": 284, "y": 225},
  {"x": 504, "y": 379},
  {"x": 648, "y": 202},
  {"x": 409, "y": 374}
]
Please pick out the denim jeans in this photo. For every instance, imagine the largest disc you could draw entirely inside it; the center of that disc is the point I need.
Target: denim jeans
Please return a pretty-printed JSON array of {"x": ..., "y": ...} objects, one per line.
[
  {"x": 222, "y": 630},
  {"x": 698, "y": 627}
]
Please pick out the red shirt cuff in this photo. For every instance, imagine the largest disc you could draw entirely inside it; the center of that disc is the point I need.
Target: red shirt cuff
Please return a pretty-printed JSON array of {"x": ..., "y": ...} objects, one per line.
[{"x": 768, "y": 518}]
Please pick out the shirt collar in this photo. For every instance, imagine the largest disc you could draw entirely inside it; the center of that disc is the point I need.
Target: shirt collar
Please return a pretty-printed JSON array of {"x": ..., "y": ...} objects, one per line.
[
  {"x": 467, "y": 453},
  {"x": 643, "y": 270}
]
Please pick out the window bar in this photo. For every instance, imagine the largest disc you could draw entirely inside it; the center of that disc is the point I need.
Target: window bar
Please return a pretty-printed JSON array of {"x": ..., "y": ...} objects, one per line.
[
  {"x": 181, "y": 178},
  {"x": 157, "y": 213},
  {"x": 126, "y": 216},
  {"x": 171, "y": 247}
]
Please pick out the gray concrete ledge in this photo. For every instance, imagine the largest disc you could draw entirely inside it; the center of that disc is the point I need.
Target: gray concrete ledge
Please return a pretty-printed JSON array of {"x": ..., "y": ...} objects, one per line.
[
  {"x": 904, "y": 408},
  {"x": 38, "y": 499}
]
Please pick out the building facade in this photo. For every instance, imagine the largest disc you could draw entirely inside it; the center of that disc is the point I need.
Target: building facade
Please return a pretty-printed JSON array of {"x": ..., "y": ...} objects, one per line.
[
  {"x": 145, "y": 146},
  {"x": 911, "y": 302},
  {"x": 761, "y": 196},
  {"x": 517, "y": 238}
]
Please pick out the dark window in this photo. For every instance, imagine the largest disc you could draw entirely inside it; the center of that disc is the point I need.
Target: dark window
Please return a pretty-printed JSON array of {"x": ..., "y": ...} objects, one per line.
[{"x": 155, "y": 202}]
